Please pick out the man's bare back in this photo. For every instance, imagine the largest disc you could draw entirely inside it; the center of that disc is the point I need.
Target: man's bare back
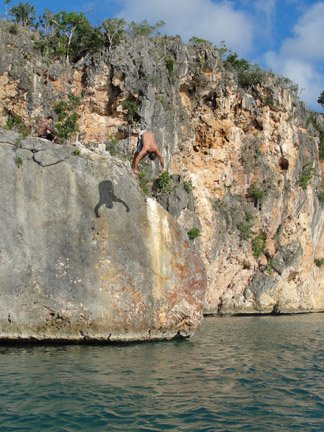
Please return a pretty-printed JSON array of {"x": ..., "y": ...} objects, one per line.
[
  {"x": 46, "y": 130},
  {"x": 149, "y": 146}
]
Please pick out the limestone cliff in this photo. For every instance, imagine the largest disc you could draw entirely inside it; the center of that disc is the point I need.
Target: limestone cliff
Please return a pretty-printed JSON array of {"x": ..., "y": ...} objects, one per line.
[
  {"x": 248, "y": 150},
  {"x": 84, "y": 255}
]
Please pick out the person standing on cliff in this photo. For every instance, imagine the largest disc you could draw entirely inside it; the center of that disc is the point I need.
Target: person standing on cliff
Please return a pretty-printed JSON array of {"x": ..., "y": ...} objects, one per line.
[
  {"x": 46, "y": 130},
  {"x": 146, "y": 145}
]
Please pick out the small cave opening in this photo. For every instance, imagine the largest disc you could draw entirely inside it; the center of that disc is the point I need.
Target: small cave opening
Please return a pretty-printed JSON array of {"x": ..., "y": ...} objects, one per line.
[{"x": 284, "y": 163}]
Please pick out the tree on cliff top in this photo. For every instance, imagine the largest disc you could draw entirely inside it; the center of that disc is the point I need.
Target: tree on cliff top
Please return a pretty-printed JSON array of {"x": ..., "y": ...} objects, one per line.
[
  {"x": 46, "y": 23},
  {"x": 113, "y": 31},
  {"x": 23, "y": 13},
  {"x": 69, "y": 34},
  {"x": 144, "y": 28},
  {"x": 247, "y": 74}
]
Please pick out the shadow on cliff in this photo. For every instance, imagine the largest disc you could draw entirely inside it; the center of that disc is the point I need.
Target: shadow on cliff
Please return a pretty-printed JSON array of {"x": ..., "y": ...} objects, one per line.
[{"x": 107, "y": 197}]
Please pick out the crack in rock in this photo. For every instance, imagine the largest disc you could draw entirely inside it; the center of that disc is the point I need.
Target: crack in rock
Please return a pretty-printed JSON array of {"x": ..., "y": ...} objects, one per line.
[{"x": 52, "y": 156}]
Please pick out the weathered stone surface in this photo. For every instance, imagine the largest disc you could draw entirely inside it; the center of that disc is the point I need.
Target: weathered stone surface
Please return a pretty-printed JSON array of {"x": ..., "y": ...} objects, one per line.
[
  {"x": 53, "y": 156},
  {"x": 222, "y": 137},
  {"x": 10, "y": 137},
  {"x": 38, "y": 144},
  {"x": 175, "y": 198},
  {"x": 84, "y": 255}
]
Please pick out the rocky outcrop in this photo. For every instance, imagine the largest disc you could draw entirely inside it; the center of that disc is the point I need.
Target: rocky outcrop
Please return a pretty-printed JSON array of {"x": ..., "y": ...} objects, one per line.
[
  {"x": 256, "y": 176},
  {"x": 84, "y": 255},
  {"x": 247, "y": 149}
]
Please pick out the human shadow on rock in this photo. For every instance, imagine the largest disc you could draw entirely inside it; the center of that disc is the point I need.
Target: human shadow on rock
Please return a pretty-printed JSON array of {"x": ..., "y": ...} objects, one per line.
[{"x": 107, "y": 197}]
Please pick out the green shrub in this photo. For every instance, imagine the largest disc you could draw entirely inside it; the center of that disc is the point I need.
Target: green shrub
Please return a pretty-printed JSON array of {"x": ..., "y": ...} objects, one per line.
[
  {"x": 23, "y": 13},
  {"x": 246, "y": 227},
  {"x": 199, "y": 41},
  {"x": 67, "y": 123},
  {"x": 258, "y": 245},
  {"x": 68, "y": 34},
  {"x": 18, "y": 161},
  {"x": 13, "y": 29},
  {"x": 319, "y": 262},
  {"x": 321, "y": 146},
  {"x": 18, "y": 141},
  {"x": 163, "y": 183},
  {"x": 320, "y": 196},
  {"x": 306, "y": 177},
  {"x": 256, "y": 193},
  {"x": 170, "y": 64},
  {"x": 248, "y": 74},
  {"x": 144, "y": 28},
  {"x": 113, "y": 31},
  {"x": 112, "y": 146},
  {"x": 311, "y": 120},
  {"x": 77, "y": 152},
  {"x": 187, "y": 185},
  {"x": 132, "y": 109},
  {"x": 320, "y": 99},
  {"x": 15, "y": 123},
  {"x": 144, "y": 178},
  {"x": 269, "y": 102},
  {"x": 320, "y": 192},
  {"x": 68, "y": 126},
  {"x": 193, "y": 233},
  {"x": 269, "y": 268},
  {"x": 255, "y": 75}
]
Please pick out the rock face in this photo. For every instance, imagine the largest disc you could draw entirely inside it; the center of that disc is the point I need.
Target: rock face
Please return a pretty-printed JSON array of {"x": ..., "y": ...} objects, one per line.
[
  {"x": 257, "y": 180},
  {"x": 84, "y": 255},
  {"x": 249, "y": 149}
]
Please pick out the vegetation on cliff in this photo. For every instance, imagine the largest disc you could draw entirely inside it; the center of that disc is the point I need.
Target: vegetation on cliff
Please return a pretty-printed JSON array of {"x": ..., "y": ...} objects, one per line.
[{"x": 71, "y": 35}]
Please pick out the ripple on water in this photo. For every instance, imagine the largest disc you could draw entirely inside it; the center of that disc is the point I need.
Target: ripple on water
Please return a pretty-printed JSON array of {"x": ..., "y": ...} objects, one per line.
[{"x": 249, "y": 373}]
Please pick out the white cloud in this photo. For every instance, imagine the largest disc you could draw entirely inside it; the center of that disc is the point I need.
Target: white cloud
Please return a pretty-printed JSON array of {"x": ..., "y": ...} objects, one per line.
[
  {"x": 300, "y": 57},
  {"x": 265, "y": 10},
  {"x": 266, "y": 6},
  {"x": 309, "y": 35},
  {"x": 214, "y": 21},
  {"x": 305, "y": 74}
]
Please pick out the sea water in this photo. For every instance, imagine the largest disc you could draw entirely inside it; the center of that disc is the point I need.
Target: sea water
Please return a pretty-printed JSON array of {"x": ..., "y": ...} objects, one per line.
[{"x": 235, "y": 374}]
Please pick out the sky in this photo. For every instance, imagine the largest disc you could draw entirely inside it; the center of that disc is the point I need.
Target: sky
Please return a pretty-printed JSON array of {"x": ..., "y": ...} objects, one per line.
[{"x": 284, "y": 36}]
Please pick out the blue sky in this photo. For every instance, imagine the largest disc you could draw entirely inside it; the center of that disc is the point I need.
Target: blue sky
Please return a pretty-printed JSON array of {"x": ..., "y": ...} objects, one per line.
[{"x": 286, "y": 36}]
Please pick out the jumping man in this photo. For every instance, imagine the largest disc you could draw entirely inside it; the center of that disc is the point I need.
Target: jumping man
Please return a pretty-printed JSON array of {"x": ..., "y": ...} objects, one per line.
[{"x": 146, "y": 145}]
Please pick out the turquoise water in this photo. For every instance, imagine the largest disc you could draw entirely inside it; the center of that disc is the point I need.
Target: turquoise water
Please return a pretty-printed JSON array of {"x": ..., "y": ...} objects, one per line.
[{"x": 241, "y": 373}]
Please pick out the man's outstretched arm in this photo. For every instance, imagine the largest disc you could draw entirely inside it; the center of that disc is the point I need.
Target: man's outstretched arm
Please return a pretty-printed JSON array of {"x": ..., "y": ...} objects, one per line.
[
  {"x": 140, "y": 156},
  {"x": 160, "y": 157}
]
